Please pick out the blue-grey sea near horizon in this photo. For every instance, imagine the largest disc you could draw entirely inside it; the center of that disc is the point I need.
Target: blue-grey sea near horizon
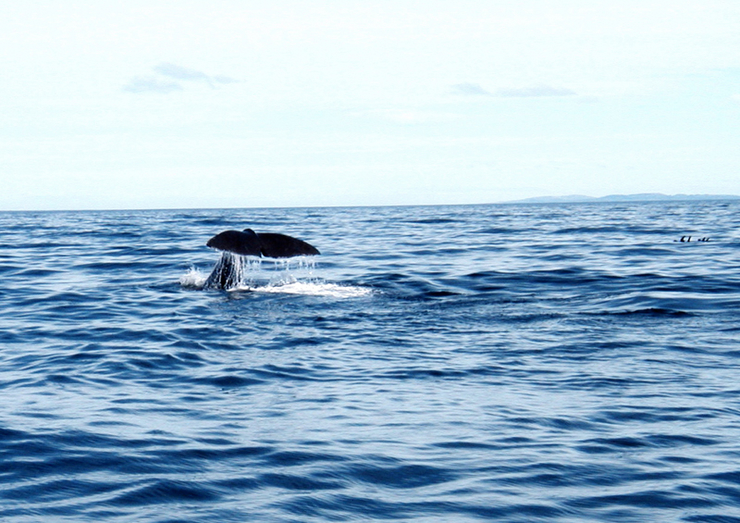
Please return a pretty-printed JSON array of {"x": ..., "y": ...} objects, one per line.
[{"x": 513, "y": 363}]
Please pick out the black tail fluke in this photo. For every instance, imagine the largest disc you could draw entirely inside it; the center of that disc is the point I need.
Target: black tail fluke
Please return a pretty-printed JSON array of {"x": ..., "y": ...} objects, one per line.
[
  {"x": 246, "y": 243},
  {"x": 274, "y": 245},
  {"x": 268, "y": 244}
]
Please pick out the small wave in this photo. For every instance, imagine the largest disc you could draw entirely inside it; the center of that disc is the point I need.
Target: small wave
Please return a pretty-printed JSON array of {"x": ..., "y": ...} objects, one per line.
[
  {"x": 657, "y": 311},
  {"x": 432, "y": 220}
]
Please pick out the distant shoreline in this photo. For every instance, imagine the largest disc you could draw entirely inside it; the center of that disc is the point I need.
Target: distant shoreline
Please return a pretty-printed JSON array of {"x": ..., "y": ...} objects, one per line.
[{"x": 616, "y": 198}]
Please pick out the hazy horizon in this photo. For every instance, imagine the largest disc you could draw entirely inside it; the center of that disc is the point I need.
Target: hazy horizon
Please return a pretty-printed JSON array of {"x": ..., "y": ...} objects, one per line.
[{"x": 572, "y": 198}]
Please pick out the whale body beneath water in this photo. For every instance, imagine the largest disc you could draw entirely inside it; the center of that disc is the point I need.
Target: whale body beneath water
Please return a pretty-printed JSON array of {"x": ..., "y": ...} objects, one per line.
[{"x": 235, "y": 244}]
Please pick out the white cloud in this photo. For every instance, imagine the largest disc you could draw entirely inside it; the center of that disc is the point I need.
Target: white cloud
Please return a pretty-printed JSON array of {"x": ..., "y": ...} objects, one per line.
[
  {"x": 221, "y": 79},
  {"x": 535, "y": 90},
  {"x": 415, "y": 116},
  {"x": 151, "y": 84},
  {"x": 180, "y": 73},
  {"x": 469, "y": 89},
  {"x": 171, "y": 72}
]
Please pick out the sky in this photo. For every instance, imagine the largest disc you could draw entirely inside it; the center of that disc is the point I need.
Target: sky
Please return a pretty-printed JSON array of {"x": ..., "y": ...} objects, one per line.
[{"x": 219, "y": 103}]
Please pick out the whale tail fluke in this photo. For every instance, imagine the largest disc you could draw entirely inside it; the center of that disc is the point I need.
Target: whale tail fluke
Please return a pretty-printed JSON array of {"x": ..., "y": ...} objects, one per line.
[
  {"x": 274, "y": 245},
  {"x": 267, "y": 244},
  {"x": 230, "y": 270},
  {"x": 244, "y": 242}
]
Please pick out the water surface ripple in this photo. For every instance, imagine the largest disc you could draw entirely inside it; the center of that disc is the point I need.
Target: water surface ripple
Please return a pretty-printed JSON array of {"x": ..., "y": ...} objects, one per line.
[{"x": 513, "y": 363}]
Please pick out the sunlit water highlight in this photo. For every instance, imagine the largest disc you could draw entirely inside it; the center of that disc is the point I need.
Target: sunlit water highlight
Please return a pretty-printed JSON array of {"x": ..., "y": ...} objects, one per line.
[{"x": 523, "y": 363}]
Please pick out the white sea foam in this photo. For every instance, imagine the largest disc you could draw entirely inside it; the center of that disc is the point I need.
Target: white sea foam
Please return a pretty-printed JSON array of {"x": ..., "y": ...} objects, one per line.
[{"x": 332, "y": 290}]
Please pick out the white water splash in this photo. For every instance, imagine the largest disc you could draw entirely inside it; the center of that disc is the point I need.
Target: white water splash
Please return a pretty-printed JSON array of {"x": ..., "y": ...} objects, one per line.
[
  {"x": 280, "y": 280},
  {"x": 193, "y": 279}
]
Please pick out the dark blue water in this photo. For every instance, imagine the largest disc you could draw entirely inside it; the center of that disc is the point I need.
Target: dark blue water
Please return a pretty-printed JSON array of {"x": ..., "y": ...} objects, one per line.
[{"x": 567, "y": 363}]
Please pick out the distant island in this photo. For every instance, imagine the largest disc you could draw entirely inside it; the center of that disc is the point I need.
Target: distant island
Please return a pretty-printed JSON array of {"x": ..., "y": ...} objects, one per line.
[{"x": 642, "y": 197}]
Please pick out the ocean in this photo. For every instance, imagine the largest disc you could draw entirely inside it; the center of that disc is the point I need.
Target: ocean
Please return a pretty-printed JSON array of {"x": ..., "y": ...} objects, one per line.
[{"x": 512, "y": 363}]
